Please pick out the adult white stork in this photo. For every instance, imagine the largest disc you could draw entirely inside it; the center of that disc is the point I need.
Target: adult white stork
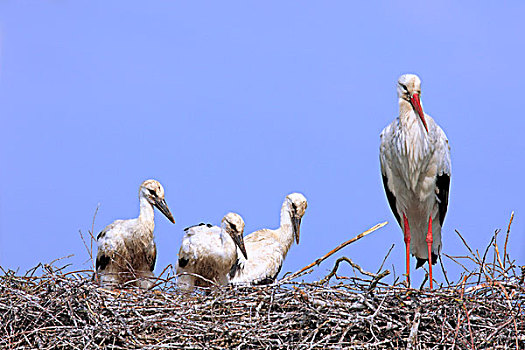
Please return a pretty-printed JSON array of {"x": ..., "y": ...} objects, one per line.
[
  {"x": 209, "y": 251},
  {"x": 268, "y": 248},
  {"x": 126, "y": 249},
  {"x": 415, "y": 164}
]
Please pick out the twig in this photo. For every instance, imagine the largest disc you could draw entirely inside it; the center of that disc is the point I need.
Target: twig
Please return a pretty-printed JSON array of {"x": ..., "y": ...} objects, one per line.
[
  {"x": 335, "y": 250},
  {"x": 465, "y": 243},
  {"x": 424, "y": 281},
  {"x": 412, "y": 338},
  {"x": 444, "y": 271},
  {"x": 496, "y": 250},
  {"x": 482, "y": 265},
  {"x": 507, "y": 237},
  {"x": 466, "y": 313},
  {"x": 510, "y": 306},
  {"x": 384, "y": 260},
  {"x": 349, "y": 261},
  {"x": 457, "y": 262},
  {"x": 495, "y": 243}
]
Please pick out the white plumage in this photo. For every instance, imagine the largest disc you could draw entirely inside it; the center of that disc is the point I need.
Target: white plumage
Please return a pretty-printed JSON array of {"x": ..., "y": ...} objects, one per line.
[
  {"x": 126, "y": 249},
  {"x": 415, "y": 164},
  {"x": 267, "y": 249},
  {"x": 209, "y": 251}
]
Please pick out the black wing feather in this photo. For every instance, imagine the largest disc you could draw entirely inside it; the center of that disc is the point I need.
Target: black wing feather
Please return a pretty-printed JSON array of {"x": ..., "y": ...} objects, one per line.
[
  {"x": 391, "y": 200},
  {"x": 183, "y": 262},
  {"x": 102, "y": 262},
  {"x": 235, "y": 268},
  {"x": 269, "y": 279},
  {"x": 101, "y": 234},
  {"x": 263, "y": 281},
  {"x": 443, "y": 185},
  {"x": 199, "y": 224},
  {"x": 153, "y": 259}
]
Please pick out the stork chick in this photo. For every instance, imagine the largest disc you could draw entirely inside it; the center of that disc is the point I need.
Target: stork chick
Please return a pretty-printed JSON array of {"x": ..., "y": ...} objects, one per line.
[
  {"x": 415, "y": 165},
  {"x": 210, "y": 251},
  {"x": 268, "y": 248},
  {"x": 126, "y": 249}
]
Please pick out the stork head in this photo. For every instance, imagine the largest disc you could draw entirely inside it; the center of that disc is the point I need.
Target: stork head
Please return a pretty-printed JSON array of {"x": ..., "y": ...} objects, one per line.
[
  {"x": 297, "y": 206},
  {"x": 409, "y": 89},
  {"x": 152, "y": 190},
  {"x": 234, "y": 225}
]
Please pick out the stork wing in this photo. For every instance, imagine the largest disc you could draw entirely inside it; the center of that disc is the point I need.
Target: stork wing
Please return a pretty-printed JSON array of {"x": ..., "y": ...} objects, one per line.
[
  {"x": 240, "y": 273},
  {"x": 104, "y": 248},
  {"x": 391, "y": 199},
  {"x": 102, "y": 261},
  {"x": 201, "y": 224},
  {"x": 193, "y": 238},
  {"x": 264, "y": 262},
  {"x": 152, "y": 258},
  {"x": 385, "y": 150},
  {"x": 443, "y": 176}
]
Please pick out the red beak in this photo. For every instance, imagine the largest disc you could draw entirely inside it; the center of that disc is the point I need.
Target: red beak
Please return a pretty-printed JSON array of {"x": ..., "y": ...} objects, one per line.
[{"x": 416, "y": 104}]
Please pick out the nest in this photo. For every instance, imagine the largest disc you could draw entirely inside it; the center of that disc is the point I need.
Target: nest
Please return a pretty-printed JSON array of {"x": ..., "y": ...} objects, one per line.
[{"x": 50, "y": 308}]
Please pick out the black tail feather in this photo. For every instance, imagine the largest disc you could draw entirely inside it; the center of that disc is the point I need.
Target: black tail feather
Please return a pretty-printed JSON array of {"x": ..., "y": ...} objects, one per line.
[{"x": 421, "y": 262}]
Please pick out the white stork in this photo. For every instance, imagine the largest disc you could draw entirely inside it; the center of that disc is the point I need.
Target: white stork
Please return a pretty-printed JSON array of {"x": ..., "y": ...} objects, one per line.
[
  {"x": 415, "y": 164},
  {"x": 268, "y": 248},
  {"x": 209, "y": 251},
  {"x": 126, "y": 249}
]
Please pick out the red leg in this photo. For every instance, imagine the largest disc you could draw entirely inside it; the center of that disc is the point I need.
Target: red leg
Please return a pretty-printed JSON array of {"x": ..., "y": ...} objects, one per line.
[
  {"x": 429, "y": 243},
  {"x": 406, "y": 231}
]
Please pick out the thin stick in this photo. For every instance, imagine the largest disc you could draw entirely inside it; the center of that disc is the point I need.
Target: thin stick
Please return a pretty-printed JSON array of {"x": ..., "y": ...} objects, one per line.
[
  {"x": 93, "y": 229},
  {"x": 457, "y": 262},
  {"x": 89, "y": 251},
  {"x": 424, "y": 281},
  {"x": 498, "y": 256},
  {"x": 336, "y": 249},
  {"x": 495, "y": 251},
  {"x": 466, "y": 312},
  {"x": 465, "y": 243},
  {"x": 483, "y": 261},
  {"x": 384, "y": 260},
  {"x": 412, "y": 338},
  {"x": 512, "y": 315},
  {"x": 444, "y": 271},
  {"x": 349, "y": 261},
  {"x": 507, "y": 238}
]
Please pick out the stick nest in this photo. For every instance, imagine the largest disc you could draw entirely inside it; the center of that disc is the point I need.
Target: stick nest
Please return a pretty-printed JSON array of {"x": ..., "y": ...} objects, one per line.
[
  {"x": 61, "y": 310},
  {"x": 48, "y": 308}
]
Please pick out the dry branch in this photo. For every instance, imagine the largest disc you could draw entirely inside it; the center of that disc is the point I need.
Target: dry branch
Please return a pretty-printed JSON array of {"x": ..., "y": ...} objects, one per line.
[{"x": 336, "y": 249}]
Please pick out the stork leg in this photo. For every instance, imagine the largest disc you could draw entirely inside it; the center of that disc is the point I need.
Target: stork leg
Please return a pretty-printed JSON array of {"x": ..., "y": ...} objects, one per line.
[
  {"x": 406, "y": 232},
  {"x": 429, "y": 244}
]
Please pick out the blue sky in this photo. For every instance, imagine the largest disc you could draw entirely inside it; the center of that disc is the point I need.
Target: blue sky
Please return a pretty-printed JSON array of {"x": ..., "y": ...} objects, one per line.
[{"x": 233, "y": 105}]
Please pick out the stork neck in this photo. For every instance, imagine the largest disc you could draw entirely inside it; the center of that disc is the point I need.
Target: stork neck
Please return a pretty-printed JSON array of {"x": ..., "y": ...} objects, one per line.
[
  {"x": 146, "y": 216},
  {"x": 406, "y": 111},
  {"x": 287, "y": 236},
  {"x": 225, "y": 236},
  {"x": 409, "y": 119}
]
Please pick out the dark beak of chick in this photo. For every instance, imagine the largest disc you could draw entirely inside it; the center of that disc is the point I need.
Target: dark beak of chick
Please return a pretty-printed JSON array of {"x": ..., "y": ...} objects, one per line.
[
  {"x": 239, "y": 241},
  {"x": 163, "y": 207},
  {"x": 296, "y": 223}
]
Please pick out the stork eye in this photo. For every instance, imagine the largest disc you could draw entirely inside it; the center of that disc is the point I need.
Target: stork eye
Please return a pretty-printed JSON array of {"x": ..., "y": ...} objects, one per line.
[
  {"x": 152, "y": 192},
  {"x": 404, "y": 87},
  {"x": 233, "y": 226}
]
